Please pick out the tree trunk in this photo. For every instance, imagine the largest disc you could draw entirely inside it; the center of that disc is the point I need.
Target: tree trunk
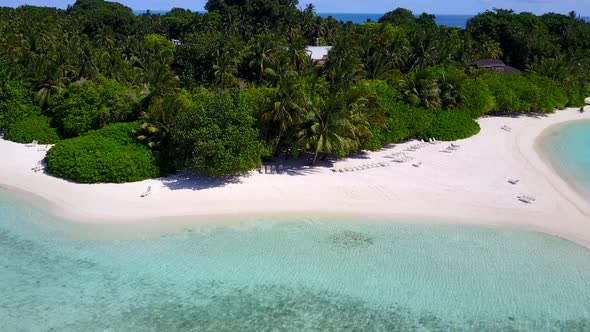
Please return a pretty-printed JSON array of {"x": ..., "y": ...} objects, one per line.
[{"x": 315, "y": 157}]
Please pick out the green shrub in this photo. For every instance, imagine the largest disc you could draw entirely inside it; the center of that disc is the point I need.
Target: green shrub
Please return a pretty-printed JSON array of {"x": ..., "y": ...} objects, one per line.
[
  {"x": 510, "y": 91},
  {"x": 106, "y": 155},
  {"x": 550, "y": 97},
  {"x": 16, "y": 103},
  {"x": 82, "y": 107},
  {"x": 576, "y": 95},
  {"x": 216, "y": 136},
  {"x": 525, "y": 93},
  {"x": 32, "y": 128},
  {"x": 478, "y": 99},
  {"x": 449, "y": 126}
]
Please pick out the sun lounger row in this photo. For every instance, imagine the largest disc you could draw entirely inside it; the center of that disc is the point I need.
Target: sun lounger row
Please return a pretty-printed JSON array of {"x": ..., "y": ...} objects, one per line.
[
  {"x": 43, "y": 149},
  {"x": 417, "y": 146},
  {"x": 358, "y": 168},
  {"x": 451, "y": 148},
  {"x": 271, "y": 169},
  {"x": 40, "y": 166},
  {"x": 147, "y": 192},
  {"x": 402, "y": 159},
  {"x": 433, "y": 141},
  {"x": 34, "y": 143},
  {"x": 395, "y": 155},
  {"x": 526, "y": 199}
]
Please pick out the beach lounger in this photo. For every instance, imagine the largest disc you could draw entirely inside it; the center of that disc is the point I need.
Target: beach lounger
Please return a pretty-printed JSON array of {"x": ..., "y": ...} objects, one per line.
[
  {"x": 417, "y": 164},
  {"x": 506, "y": 128},
  {"x": 524, "y": 200},
  {"x": 273, "y": 169},
  {"x": 281, "y": 168},
  {"x": 147, "y": 192},
  {"x": 513, "y": 181},
  {"x": 261, "y": 170}
]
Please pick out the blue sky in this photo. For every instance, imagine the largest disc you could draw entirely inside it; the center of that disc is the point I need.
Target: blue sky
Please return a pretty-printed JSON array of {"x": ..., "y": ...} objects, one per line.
[{"x": 367, "y": 6}]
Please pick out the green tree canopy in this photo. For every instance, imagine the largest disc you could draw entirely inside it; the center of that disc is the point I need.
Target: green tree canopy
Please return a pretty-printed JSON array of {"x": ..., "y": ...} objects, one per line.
[{"x": 216, "y": 136}]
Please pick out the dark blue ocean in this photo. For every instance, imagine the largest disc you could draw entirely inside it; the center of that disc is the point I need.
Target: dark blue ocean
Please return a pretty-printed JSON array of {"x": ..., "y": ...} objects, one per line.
[{"x": 459, "y": 21}]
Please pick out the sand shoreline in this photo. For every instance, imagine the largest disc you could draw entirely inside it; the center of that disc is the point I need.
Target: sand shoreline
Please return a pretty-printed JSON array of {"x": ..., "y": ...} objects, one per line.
[{"x": 467, "y": 186}]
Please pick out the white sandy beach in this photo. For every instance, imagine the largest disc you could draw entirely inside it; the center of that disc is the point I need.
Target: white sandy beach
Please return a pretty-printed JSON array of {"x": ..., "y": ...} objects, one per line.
[{"x": 469, "y": 185}]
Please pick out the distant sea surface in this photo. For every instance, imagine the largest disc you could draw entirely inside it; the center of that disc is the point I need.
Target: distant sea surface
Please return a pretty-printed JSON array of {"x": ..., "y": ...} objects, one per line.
[{"x": 458, "y": 21}]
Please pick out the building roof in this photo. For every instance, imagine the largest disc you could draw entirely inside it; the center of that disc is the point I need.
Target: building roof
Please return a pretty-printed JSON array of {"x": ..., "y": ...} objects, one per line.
[
  {"x": 318, "y": 53},
  {"x": 508, "y": 70},
  {"x": 489, "y": 63},
  {"x": 495, "y": 65}
]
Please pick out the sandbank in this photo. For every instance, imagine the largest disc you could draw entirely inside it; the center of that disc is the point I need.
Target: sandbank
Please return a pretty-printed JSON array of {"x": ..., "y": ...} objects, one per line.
[{"x": 469, "y": 185}]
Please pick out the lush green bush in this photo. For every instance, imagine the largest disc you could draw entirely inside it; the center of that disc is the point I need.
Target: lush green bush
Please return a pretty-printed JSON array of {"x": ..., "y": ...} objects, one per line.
[
  {"x": 82, "y": 107},
  {"x": 478, "y": 99},
  {"x": 405, "y": 122},
  {"x": 107, "y": 155},
  {"x": 525, "y": 93},
  {"x": 550, "y": 95},
  {"x": 510, "y": 91},
  {"x": 16, "y": 103},
  {"x": 216, "y": 135},
  {"x": 447, "y": 125},
  {"x": 32, "y": 128},
  {"x": 576, "y": 95}
]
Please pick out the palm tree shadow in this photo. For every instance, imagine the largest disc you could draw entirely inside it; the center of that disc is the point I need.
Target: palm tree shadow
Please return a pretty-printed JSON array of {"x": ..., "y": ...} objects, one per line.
[
  {"x": 188, "y": 181},
  {"x": 515, "y": 115},
  {"x": 301, "y": 166},
  {"x": 358, "y": 155}
]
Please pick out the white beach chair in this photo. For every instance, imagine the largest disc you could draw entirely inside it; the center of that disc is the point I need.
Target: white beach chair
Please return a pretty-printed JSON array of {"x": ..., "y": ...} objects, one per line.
[
  {"x": 525, "y": 199},
  {"x": 147, "y": 192},
  {"x": 417, "y": 164},
  {"x": 513, "y": 181},
  {"x": 33, "y": 143}
]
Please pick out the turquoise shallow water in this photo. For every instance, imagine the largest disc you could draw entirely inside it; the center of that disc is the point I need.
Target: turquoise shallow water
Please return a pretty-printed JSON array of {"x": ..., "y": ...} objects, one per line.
[
  {"x": 300, "y": 275},
  {"x": 568, "y": 148}
]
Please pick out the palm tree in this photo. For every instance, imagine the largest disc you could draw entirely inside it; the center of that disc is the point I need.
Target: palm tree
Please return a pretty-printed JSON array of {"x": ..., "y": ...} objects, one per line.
[
  {"x": 286, "y": 107},
  {"x": 336, "y": 126},
  {"x": 226, "y": 68},
  {"x": 262, "y": 56},
  {"x": 420, "y": 89},
  {"x": 159, "y": 120}
]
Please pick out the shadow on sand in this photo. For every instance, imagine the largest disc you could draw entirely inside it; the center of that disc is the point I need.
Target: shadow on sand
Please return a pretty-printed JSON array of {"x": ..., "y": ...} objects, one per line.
[{"x": 188, "y": 181}]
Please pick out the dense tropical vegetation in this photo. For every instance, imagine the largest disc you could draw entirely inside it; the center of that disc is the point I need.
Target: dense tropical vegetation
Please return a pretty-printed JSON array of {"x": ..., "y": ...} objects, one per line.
[{"x": 123, "y": 102}]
